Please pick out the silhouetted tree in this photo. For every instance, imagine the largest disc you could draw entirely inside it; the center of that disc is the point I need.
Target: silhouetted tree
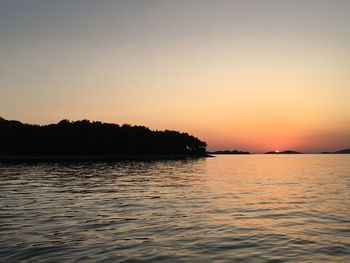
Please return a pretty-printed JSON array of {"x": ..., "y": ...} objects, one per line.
[{"x": 93, "y": 138}]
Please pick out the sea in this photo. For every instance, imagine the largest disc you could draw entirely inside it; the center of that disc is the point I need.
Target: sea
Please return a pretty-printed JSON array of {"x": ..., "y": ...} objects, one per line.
[{"x": 231, "y": 208}]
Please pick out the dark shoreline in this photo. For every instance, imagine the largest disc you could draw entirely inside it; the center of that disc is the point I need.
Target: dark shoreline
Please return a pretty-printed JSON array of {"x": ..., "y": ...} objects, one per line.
[{"x": 81, "y": 158}]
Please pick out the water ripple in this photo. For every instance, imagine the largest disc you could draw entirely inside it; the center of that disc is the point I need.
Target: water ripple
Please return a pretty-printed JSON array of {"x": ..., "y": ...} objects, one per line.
[{"x": 225, "y": 209}]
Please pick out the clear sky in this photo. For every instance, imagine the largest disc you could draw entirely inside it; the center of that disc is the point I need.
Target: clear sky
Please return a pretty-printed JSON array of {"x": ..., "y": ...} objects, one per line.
[{"x": 253, "y": 75}]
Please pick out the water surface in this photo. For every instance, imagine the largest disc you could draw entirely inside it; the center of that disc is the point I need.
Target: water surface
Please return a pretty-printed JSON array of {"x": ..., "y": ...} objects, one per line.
[{"x": 255, "y": 208}]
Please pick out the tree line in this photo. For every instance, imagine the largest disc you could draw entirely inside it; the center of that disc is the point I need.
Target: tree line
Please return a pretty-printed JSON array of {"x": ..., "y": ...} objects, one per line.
[{"x": 93, "y": 138}]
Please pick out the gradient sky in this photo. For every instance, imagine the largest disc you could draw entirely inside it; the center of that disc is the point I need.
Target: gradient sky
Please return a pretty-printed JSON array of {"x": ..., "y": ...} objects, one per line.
[{"x": 251, "y": 75}]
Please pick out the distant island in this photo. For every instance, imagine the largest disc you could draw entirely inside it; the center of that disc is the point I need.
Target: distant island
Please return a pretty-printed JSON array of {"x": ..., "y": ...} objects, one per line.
[
  {"x": 284, "y": 152},
  {"x": 86, "y": 139},
  {"x": 345, "y": 151},
  {"x": 230, "y": 152}
]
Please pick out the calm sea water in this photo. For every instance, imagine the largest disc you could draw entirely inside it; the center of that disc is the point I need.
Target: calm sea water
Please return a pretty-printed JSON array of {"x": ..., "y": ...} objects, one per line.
[{"x": 258, "y": 208}]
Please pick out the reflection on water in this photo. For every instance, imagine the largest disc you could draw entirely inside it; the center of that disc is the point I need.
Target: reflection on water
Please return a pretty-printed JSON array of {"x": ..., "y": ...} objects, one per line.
[{"x": 255, "y": 208}]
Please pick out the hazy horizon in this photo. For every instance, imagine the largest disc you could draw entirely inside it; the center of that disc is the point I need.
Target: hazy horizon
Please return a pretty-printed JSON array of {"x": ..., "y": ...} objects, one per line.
[{"x": 247, "y": 75}]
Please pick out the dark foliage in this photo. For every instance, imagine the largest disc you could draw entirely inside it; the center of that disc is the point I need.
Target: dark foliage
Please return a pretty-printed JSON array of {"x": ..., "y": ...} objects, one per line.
[{"x": 92, "y": 139}]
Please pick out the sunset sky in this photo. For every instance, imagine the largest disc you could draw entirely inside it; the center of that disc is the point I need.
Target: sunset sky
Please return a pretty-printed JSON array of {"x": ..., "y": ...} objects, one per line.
[{"x": 251, "y": 75}]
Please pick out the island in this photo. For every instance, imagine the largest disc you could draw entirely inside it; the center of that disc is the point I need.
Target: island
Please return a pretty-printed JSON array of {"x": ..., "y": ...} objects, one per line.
[
  {"x": 345, "y": 151},
  {"x": 230, "y": 152},
  {"x": 284, "y": 152},
  {"x": 93, "y": 140}
]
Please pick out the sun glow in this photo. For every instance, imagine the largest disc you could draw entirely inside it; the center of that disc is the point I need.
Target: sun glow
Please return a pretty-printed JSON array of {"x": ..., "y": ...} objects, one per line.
[{"x": 233, "y": 74}]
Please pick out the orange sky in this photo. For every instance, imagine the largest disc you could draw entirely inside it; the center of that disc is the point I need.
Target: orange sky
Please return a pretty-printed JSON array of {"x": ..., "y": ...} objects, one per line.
[{"x": 238, "y": 75}]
